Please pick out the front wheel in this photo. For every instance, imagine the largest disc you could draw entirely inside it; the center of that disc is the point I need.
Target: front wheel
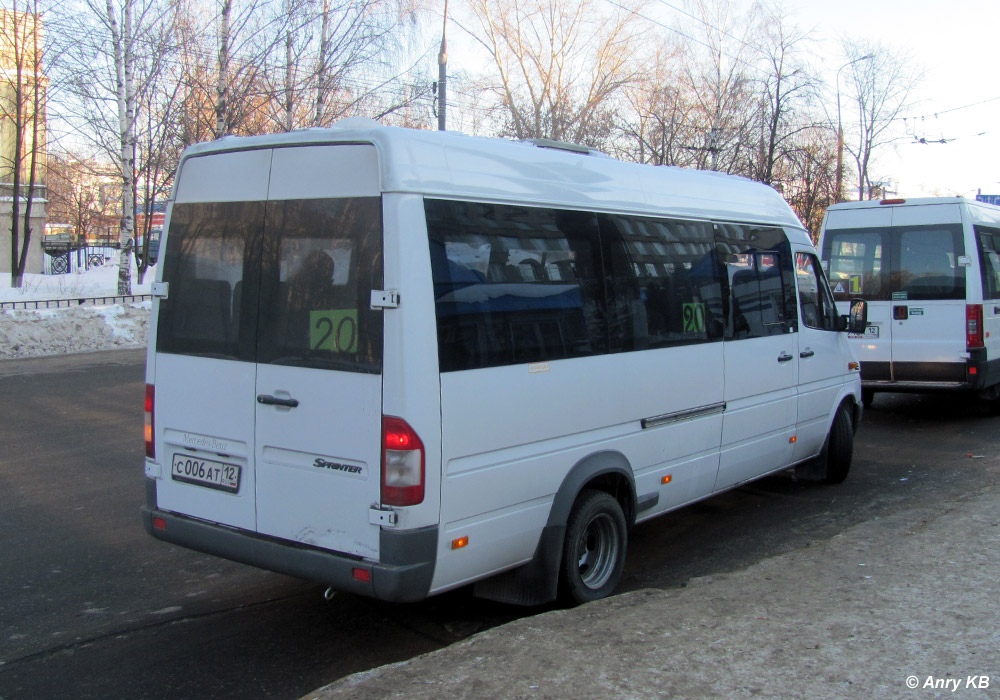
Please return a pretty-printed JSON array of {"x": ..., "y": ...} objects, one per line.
[
  {"x": 839, "y": 448},
  {"x": 594, "y": 551}
]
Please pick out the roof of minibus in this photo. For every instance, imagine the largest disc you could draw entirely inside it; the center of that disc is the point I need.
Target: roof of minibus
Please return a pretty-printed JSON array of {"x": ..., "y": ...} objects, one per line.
[
  {"x": 451, "y": 164},
  {"x": 978, "y": 212}
]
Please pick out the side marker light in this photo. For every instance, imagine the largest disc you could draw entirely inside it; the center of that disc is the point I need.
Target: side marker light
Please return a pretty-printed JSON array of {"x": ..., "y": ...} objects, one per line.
[
  {"x": 667, "y": 479},
  {"x": 460, "y": 542}
]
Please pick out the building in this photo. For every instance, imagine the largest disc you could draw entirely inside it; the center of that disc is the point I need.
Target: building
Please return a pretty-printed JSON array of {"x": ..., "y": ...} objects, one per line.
[{"x": 20, "y": 72}]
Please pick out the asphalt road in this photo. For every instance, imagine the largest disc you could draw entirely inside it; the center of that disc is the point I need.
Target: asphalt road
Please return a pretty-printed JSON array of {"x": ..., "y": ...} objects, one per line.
[{"x": 92, "y": 607}]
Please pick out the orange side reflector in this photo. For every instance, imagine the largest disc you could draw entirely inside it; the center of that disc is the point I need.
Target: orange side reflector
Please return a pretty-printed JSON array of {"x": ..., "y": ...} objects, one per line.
[
  {"x": 460, "y": 542},
  {"x": 792, "y": 439},
  {"x": 363, "y": 575},
  {"x": 667, "y": 479},
  {"x": 853, "y": 366}
]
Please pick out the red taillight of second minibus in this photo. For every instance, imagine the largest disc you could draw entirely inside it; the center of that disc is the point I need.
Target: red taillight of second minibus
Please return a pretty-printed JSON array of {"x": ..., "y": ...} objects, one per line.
[
  {"x": 148, "y": 428},
  {"x": 974, "y": 336}
]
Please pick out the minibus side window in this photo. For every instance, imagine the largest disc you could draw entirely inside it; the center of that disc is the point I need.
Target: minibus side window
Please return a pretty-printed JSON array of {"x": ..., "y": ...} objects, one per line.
[
  {"x": 818, "y": 308},
  {"x": 759, "y": 278},
  {"x": 514, "y": 284},
  {"x": 989, "y": 261},
  {"x": 663, "y": 282},
  {"x": 856, "y": 263}
]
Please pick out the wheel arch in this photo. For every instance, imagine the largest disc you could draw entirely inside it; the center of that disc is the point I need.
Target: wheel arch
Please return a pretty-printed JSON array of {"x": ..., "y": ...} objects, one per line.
[
  {"x": 537, "y": 582},
  {"x": 607, "y": 471}
]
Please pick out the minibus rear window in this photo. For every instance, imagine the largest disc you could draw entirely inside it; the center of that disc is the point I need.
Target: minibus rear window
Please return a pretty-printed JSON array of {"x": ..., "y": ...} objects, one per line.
[
  {"x": 323, "y": 258},
  {"x": 900, "y": 262},
  {"x": 282, "y": 282},
  {"x": 856, "y": 263},
  {"x": 212, "y": 256}
]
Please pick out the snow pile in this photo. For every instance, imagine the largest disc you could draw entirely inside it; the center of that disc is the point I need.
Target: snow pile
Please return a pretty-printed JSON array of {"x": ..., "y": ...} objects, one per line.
[
  {"x": 31, "y": 332},
  {"x": 26, "y": 333}
]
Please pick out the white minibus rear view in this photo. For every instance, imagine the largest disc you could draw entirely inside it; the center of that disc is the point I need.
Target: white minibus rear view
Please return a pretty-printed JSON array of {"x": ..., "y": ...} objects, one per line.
[
  {"x": 930, "y": 271},
  {"x": 399, "y": 362}
]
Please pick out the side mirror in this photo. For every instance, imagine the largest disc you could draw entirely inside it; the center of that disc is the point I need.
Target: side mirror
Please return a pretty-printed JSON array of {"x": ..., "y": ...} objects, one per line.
[{"x": 857, "y": 320}]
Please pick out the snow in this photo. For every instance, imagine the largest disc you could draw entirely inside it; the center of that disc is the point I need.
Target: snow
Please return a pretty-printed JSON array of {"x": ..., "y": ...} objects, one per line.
[{"x": 87, "y": 328}]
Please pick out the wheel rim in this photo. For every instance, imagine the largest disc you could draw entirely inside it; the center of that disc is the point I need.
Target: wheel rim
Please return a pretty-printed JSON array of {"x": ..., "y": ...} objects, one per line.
[{"x": 597, "y": 551}]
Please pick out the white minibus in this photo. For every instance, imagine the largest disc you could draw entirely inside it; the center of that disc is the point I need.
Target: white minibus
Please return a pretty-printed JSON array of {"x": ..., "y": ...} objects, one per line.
[
  {"x": 930, "y": 271},
  {"x": 399, "y": 362}
]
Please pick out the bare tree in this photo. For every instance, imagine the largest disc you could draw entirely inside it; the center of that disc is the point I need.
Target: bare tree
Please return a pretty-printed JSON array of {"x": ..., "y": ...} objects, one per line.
[
  {"x": 808, "y": 173},
  {"x": 118, "y": 54},
  {"x": 22, "y": 113},
  {"x": 719, "y": 79},
  {"x": 74, "y": 187},
  {"x": 558, "y": 64},
  {"x": 880, "y": 87},
  {"x": 786, "y": 90},
  {"x": 653, "y": 121}
]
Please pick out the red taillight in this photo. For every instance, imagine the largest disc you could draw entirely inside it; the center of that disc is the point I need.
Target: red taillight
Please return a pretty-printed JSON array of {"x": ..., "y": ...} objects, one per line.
[
  {"x": 148, "y": 429},
  {"x": 974, "y": 326},
  {"x": 402, "y": 464}
]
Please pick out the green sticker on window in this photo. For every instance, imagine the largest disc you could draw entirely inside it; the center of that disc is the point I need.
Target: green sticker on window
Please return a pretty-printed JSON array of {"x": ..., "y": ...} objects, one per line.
[
  {"x": 694, "y": 317},
  {"x": 335, "y": 330}
]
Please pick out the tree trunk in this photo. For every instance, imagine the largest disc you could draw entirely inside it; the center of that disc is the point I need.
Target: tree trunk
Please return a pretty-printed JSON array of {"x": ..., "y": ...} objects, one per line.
[
  {"x": 126, "y": 126},
  {"x": 321, "y": 67},
  {"x": 222, "y": 88}
]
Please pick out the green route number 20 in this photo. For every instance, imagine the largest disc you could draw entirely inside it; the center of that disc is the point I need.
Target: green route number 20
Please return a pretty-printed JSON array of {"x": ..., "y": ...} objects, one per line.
[
  {"x": 334, "y": 329},
  {"x": 694, "y": 317}
]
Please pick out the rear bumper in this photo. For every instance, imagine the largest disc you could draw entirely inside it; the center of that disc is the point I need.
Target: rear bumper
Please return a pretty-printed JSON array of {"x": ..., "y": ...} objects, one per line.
[
  {"x": 403, "y": 575},
  {"x": 975, "y": 374}
]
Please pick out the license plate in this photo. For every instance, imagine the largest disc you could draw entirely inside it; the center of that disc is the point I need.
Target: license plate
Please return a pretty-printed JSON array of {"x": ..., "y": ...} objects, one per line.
[
  {"x": 871, "y": 332},
  {"x": 206, "y": 472}
]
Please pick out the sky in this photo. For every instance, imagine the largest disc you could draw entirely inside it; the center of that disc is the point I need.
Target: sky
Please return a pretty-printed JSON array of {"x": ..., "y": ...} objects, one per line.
[{"x": 955, "y": 45}]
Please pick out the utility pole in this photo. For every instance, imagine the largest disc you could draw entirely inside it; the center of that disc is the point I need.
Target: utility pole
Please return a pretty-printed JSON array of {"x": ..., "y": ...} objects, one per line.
[{"x": 443, "y": 73}]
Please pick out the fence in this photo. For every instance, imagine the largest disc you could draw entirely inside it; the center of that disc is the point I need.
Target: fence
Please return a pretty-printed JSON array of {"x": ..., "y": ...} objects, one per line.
[
  {"x": 65, "y": 303},
  {"x": 81, "y": 258}
]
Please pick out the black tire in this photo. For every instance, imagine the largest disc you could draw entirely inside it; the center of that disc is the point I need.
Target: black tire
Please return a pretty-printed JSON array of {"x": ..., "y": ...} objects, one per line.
[
  {"x": 594, "y": 551},
  {"x": 867, "y": 397},
  {"x": 839, "y": 448}
]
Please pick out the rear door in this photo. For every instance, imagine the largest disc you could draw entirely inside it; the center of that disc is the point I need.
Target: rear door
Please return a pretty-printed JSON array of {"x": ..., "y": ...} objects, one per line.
[
  {"x": 268, "y": 374},
  {"x": 206, "y": 339},
  {"x": 928, "y": 294},
  {"x": 319, "y": 382},
  {"x": 855, "y": 250}
]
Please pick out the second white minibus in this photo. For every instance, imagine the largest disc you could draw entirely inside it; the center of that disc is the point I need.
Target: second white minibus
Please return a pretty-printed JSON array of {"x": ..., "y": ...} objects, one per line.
[
  {"x": 399, "y": 362},
  {"x": 929, "y": 269}
]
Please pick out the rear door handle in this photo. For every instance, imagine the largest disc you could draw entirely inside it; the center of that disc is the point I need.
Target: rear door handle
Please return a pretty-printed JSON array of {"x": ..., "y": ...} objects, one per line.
[
  {"x": 785, "y": 357},
  {"x": 807, "y": 353},
  {"x": 275, "y": 401}
]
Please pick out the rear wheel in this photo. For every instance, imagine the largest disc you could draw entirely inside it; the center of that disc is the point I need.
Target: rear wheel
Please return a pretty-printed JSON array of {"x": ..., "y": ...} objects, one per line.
[
  {"x": 867, "y": 397},
  {"x": 594, "y": 550}
]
